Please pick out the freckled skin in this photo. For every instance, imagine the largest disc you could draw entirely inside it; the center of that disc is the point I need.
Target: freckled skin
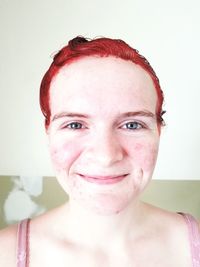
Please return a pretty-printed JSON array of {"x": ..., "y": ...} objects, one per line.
[{"x": 103, "y": 88}]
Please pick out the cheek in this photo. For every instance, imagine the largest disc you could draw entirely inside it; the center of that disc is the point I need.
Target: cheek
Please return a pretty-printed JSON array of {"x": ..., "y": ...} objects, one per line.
[
  {"x": 145, "y": 155},
  {"x": 63, "y": 155}
]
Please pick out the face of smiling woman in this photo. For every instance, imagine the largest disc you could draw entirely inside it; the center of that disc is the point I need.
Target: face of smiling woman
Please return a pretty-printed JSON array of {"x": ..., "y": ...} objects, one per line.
[{"x": 103, "y": 134}]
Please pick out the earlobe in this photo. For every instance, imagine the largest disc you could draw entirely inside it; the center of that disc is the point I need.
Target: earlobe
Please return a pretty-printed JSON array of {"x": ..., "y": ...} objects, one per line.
[
  {"x": 47, "y": 131},
  {"x": 47, "y": 137}
]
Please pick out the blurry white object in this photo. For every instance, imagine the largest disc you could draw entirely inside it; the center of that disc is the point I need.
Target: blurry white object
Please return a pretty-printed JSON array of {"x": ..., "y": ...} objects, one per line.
[
  {"x": 18, "y": 204},
  {"x": 32, "y": 185}
]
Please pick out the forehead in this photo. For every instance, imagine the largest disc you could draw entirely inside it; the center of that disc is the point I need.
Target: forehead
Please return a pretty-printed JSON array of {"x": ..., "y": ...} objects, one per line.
[{"x": 108, "y": 79}]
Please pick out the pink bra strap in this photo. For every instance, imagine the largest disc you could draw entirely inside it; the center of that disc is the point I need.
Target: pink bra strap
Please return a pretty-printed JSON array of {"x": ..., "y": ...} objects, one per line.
[
  {"x": 23, "y": 243},
  {"x": 194, "y": 235}
]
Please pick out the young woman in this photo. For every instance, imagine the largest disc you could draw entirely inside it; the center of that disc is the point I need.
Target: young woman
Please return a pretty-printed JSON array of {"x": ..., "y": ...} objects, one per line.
[{"x": 102, "y": 104}]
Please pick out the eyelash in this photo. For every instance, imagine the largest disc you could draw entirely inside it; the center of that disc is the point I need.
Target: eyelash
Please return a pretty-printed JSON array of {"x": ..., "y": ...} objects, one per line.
[
  {"x": 71, "y": 124},
  {"x": 131, "y": 126}
]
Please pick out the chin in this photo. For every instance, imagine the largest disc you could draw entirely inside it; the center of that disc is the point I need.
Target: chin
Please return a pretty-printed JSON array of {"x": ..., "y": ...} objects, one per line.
[{"x": 105, "y": 204}]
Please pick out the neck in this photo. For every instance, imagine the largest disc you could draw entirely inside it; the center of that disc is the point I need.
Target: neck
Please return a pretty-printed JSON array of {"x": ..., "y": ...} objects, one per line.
[{"x": 92, "y": 229}]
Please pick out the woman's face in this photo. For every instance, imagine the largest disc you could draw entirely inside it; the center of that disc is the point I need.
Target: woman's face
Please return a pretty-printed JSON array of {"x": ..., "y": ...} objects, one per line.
[{"x": 103, "y": 134}]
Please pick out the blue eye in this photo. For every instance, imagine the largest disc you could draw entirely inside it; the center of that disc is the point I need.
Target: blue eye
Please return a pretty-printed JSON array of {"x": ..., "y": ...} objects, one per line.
[
  {"x": 133, "y": 125},
  {"x": 74, "y": 125}
]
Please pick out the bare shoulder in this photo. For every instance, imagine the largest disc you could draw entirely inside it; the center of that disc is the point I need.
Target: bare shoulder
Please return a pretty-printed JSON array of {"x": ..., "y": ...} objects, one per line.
[
  {"x": 174, "y": 225},
  {"x": 8, "y": 246},
  {"x": 172, "y": 230}
]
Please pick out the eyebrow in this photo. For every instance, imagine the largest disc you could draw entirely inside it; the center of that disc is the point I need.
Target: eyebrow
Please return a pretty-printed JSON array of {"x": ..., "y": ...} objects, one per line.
[
  {"x": 143, "y": 113},
  {"x": 69, "y": 114}
]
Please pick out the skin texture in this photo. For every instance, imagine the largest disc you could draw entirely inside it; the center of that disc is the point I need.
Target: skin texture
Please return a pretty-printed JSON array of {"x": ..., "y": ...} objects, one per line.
[{"x": 104, "y": 97}]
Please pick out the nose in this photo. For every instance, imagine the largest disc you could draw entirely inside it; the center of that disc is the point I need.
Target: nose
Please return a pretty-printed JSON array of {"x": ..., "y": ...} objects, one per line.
[{"x": 105, "y": 149}]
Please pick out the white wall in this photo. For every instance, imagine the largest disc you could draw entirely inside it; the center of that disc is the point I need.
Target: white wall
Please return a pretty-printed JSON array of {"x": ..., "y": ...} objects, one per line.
[{"x": 166, "y": 32}]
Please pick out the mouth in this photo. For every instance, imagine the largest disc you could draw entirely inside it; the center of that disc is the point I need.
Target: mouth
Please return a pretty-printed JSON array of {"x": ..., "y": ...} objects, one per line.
[{"x": 103, "y": 180}]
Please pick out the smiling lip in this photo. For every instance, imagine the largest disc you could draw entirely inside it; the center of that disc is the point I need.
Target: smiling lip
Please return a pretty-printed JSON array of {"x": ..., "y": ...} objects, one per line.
[{"x": 103, "y": 179}]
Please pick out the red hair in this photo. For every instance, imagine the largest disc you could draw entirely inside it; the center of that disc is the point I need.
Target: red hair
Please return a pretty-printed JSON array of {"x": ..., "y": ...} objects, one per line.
[{"x": 102, "y": 47}]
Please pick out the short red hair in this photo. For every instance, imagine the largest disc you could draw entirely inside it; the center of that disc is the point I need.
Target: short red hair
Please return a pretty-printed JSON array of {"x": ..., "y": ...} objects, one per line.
[{"x": 103, "y": 47}]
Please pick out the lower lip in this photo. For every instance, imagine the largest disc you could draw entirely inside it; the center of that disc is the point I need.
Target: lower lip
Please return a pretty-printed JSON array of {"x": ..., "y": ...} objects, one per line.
[{"x": 103, "y": 180}]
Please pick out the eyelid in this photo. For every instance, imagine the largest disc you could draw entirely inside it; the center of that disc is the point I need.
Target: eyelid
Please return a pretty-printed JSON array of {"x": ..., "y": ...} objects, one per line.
[
  {"x": 142, "y": 124},
  {"x": 65, "y": 125}
]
